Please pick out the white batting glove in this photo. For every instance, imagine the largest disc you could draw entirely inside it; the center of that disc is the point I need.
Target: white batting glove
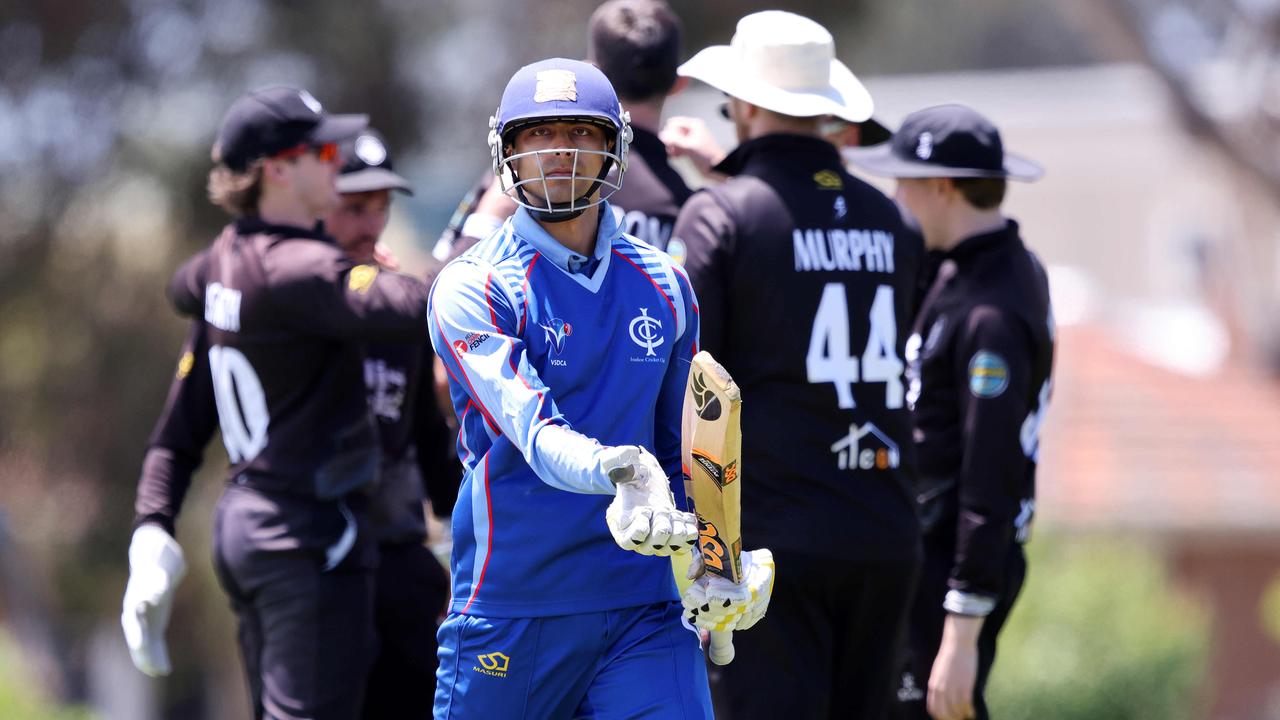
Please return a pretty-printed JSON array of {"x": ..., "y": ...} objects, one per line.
[
  {"x": 715, "y": 604},
  {"x": 155, "y": 567},
  {"x": 643, "y": 517}
]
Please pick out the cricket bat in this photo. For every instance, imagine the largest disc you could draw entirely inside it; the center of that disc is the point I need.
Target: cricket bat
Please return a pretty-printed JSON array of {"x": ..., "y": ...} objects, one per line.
[{"x": 711, "y": 455}]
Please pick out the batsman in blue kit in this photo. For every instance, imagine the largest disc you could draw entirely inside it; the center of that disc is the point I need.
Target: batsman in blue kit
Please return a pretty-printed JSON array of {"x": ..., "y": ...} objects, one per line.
[{"x": 567, "y": 344}]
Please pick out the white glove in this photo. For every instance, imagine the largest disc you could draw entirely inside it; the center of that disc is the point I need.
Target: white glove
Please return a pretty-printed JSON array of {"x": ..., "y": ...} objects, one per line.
[
  {"x": 155, "y": 567},
  {"x": 643, "y": 517},
  {"x": 715, "y": 604}
]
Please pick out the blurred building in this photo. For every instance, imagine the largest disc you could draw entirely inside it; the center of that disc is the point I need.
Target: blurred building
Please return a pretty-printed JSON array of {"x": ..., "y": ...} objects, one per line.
[{"x": 1165, "y": 272}]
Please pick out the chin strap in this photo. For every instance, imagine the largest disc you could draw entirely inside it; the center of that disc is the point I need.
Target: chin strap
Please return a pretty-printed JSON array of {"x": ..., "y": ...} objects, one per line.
[{"x": 560, "y": 212}]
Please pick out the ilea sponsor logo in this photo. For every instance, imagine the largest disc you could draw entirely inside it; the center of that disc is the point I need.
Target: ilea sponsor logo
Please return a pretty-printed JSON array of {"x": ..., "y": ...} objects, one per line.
[{"x": 866, "y": 448}]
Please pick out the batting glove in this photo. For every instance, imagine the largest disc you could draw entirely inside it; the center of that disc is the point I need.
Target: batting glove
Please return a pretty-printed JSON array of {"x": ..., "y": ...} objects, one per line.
[
  {"x": 155, "y": 567},
  {"x": 718, "y": 605},
  {"x": 643, "y": 517}
]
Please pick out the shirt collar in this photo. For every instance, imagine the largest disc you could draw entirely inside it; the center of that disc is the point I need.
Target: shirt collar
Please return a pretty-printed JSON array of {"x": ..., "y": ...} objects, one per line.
[
  {"x": 977, "y": 244},
  {"x": 573, "y": 263},
  {"x": 777, "y": 143},
  {"x": 254, "y": 225}
]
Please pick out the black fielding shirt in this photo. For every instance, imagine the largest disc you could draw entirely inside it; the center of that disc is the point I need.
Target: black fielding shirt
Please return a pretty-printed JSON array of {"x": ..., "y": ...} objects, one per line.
[
  {"x": 652, "y": 192},
  {"x": 285, "y": 314},
  {"x": 805, "y": 276},
  {"x": 981, "y": 360}
]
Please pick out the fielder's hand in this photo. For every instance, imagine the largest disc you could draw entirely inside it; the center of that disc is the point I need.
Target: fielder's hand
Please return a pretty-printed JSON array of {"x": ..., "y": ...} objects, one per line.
[
  {"x": 715, "y": 604},
  {"x": 643, "y": 517},
  {"x": 155, "y": 567}
]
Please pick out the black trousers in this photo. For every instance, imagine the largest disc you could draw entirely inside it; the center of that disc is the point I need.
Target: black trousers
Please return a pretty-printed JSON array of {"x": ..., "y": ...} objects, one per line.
[
  {"x": 927, "y": 619},
  {"x": 299, "y": 573},
  {"x": 827, "y": 648},
  {"x": 411, "y": 595}
]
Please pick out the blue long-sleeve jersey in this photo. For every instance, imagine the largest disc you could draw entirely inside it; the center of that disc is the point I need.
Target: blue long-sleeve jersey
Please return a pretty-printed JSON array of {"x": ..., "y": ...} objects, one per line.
[{"x": 550, "y": 355}]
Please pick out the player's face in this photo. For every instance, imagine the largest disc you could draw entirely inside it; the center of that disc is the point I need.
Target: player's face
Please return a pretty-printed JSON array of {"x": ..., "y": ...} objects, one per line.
[
  {"x": 923, "y": 199},
  {"x": 738, "y": 114},
  {"x": 555, "y": 160},
  {"x": 313, "y": 182},
  {"x": 358, "y": 221}
]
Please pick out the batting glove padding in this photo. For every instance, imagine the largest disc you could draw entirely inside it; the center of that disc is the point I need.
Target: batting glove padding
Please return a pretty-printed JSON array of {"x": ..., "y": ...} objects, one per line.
[
  {"x": 643, "y": 517},
  {"x": 156, "y": 566},
  {"x": 719, "y": 605}
]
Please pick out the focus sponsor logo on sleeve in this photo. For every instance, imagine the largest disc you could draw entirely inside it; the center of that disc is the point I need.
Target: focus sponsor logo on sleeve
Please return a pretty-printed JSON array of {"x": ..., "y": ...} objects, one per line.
[
  {"x": 470, "y": 342},
  {"x": 988, "y": 375}
]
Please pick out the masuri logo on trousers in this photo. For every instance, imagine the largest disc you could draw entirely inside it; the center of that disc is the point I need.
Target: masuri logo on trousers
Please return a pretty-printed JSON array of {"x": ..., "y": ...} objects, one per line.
[{"x": 494, "y": 663}]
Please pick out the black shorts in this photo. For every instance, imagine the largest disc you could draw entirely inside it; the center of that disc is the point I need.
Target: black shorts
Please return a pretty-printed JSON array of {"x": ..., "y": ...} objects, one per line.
[
  {"x": 299, "y": 573},
  {"x": 927, "y": 619},
  {"x": 412, "y": 593},
  {"x": 828, "y": 647}
]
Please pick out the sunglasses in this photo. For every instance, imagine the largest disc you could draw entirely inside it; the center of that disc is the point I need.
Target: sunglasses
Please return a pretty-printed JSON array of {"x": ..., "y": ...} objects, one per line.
[{"x": 325, "y": 153}]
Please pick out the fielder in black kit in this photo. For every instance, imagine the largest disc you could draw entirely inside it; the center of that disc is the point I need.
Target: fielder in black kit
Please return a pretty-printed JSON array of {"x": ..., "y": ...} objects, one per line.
[
  {"x": 636, "y": 44},
  {"x": 277, "y": 359},
  {"x": 980, "y": 362},
  {"x": 805, "y": 276}
]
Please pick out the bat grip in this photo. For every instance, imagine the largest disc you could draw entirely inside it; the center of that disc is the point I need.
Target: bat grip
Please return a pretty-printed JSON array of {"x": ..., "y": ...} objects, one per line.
[{"x": 720, "y": 648}]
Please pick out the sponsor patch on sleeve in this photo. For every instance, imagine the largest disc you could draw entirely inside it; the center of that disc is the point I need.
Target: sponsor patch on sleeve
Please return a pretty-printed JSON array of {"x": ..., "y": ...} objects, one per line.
[
  {"x": 361, "y": 278},
  {"x": 988, "y": 374}
]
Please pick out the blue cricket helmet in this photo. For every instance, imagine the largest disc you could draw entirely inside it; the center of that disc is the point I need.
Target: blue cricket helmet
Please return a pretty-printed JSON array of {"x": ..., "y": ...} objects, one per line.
[{"x": 553, "y": 90}]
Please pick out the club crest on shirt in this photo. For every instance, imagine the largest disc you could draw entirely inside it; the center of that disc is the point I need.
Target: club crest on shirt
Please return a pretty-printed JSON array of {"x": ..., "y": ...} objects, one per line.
[
  {"x": 646, "y": 332},
  {"x": 988, "y": 375}
]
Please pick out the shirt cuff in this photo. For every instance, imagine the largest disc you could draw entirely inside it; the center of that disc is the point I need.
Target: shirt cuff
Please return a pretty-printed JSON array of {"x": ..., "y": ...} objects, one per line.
[
  {"x": 963, "y": 603},
  {"x": 480, "y": 225}
]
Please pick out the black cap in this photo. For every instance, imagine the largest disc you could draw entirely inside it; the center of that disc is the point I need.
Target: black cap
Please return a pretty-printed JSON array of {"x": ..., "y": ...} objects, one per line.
[
  {"x": 366, "y": 166},
  {"x": 945, "y": 141},
  {"x": 263, "y": 122}
]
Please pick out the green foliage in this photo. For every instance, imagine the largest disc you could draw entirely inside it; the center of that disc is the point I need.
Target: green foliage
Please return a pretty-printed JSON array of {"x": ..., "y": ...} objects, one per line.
[
  {"x": 19, "y": 693},
  {"x": 1099, "y": 633}
]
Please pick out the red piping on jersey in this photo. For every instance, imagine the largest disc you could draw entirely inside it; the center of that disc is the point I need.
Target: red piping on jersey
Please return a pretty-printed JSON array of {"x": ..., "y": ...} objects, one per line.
[
  {"x": 525, "y": 288},
  {"x": 488, "y": 545},
  {"x": 493, "y": 316},
  {"x": 475, "y": 396},
  {"x": 649, "y": 277},
  {"x": 462, "y": 429}
]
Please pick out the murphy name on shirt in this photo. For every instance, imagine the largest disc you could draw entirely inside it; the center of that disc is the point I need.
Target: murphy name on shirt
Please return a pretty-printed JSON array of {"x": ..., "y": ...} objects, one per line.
[{"x": 840, "y": 249}]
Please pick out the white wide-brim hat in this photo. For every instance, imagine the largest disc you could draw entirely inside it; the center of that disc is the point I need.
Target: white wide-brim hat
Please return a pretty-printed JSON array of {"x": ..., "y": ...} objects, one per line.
[{"x": 786, "y": 63}]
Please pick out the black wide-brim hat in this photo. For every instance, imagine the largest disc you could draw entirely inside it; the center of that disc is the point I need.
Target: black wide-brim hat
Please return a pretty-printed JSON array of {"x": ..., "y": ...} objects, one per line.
[{"x": 945, "y": 141}]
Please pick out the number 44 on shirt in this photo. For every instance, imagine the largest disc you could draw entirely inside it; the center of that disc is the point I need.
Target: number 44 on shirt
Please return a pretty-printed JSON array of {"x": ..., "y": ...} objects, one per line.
[{"x": 829, "y": 358}]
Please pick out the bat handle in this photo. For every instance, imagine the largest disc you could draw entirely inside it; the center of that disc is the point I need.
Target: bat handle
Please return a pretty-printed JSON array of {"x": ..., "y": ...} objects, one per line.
[{"x": 720, "y": 648}]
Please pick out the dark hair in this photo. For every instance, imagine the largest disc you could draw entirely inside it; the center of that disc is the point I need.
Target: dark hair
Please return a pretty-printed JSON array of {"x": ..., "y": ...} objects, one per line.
[
  {"x": 636, "y": 44},
  {"x": 236, "y": 192},
  {"x": 982, "y": 193}
]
